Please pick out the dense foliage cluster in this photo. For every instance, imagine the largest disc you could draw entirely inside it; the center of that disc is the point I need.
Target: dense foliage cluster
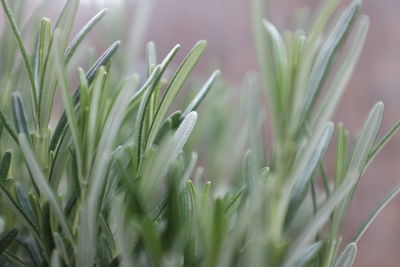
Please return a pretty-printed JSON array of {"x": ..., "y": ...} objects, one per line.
[{"x": 114, "y": 181}]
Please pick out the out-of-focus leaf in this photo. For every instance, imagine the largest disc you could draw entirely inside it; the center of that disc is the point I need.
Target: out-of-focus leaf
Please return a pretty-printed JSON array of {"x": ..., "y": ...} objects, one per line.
[
  {"x": 342, "y": 76},
  {"x": 303, "y": 180},
  {"x": 348, "y": 256},
  {"x": 24, "y": 52},
  {"x": 372, "y": 215},
  {"x": 7, "y": 238},
  {"x": 309, "y": 254},
  {"x": 355, "y": 169}
]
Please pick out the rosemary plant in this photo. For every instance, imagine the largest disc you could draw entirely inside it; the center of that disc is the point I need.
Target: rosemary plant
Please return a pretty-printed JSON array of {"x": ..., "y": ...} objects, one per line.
[{"x": 109, "y": 182}]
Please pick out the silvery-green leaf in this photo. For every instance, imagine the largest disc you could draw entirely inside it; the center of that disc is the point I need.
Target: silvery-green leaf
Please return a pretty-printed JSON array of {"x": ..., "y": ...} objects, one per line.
[
  {"x": 173, "y": 88},
  {"x": 82, "y": 33},
  {"x": 305, "y": 175},
  {"x": 348, "y": 256},
  {"x": 202, "y": 94},
  {"x": 373, "y": 213},
  {"x": 88, "y": 224},
  {"x": 24, "y": 52},
  {"x": 309, "y": 254},
  {"x": 355, "y": 169}
]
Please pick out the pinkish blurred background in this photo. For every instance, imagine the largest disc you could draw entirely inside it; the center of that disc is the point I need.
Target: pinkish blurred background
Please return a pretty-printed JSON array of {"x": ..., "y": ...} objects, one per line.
[{"x": 226, "y": 25}]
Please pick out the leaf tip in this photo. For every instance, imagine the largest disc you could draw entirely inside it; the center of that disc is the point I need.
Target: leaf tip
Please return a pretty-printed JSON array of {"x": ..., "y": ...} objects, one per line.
[
  {"x": 192, "y": 115},
  {"x": 379, "y": 106},
  {"x": 202, "y": 43}
]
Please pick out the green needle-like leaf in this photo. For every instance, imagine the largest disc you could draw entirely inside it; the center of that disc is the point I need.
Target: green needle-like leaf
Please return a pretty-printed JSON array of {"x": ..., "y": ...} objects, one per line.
[
  {"x": 90, "y": 75},
  {"x": 7, "y": 238},
  {"x": 46, "y": 97},
  {"x": 87, "y": 235},
  {"x": 348, "y": 256},
  {"x": 139, "y": 133},
  {"x": 9, "y": 200},
  {"x": 323, "y": 62},
  {"x": 309, "y": 254},
  {"x": 372, "y": 215},
  {"x": 359, "y": 158},
  {"x": 82, "y": 34},
  {"x": 24, "y": 53},
  {"x": 111, "y": 183},
  {"x": 202, "y": 94},
  {"x": 43, "y": 186},
  {"x": 168, "y": 153},
  {"x": 172, "y": 89},
  {"x": 303, "y": 180},
  {"x": 35, "y": 170},
  {"x": 63, "y": 81},
  {"x": 378, "y": 147},
  {"x": 43, "y": 46},
  {"x": 339, "y": 82},
  {"x": 344, "y": 191}
]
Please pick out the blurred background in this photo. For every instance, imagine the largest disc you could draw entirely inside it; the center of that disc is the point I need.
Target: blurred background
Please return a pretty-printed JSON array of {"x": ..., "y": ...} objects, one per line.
[{"x": 226, "y": 25}]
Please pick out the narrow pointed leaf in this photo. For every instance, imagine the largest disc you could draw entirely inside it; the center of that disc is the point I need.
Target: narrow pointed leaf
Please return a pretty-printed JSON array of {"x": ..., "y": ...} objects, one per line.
[
  {"x": 378, "y": 147},
  {"x": 37, "y": 174},
  {"x": 278, "y": 50},
  {"x": 342, "y": 76},
  {"x": 173, "y": 88},
  {"x": 63, "y": 81},
  {"x": 355, "y": 169},
  {"x": 9, "y": 200},
  {"x": 309, "y": 254},
  {"x": 82, "y": 34},
  {"x": 325, "y": 12},
  {"x": 359, "y": 158},
  {"x": 324, "y": 60},
  {"x": 43, "y": 46},
  {"x": 151, "y": 57},
  {"x": 7, "y": 238},
  {"x": 157, "y": 169},
  {"x": 341, "y": 155},
  {"x": 88, "y": 225},
  {"x": 202, "y": 94},
  {"x": 101, "y": 61},
  {"x": 372, "y": 215},
  {"x": 300, "y": 187},
  {"x": 43, "y": 185},
  {"x": 24, "y": 203},
  {"x": 24, "y": 53},
  {"x": 143, "y": 108},
  {"x": 46, "y": 97},
  {"x": 348, "y": 256}
]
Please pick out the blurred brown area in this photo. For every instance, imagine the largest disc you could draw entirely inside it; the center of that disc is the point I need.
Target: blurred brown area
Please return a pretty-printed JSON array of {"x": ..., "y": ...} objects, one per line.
[{"x": 226, "y": 25}]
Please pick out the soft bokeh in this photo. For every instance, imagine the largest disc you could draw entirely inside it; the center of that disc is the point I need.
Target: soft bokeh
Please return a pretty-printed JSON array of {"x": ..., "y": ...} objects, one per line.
[{"x": 226, "y": 25}]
